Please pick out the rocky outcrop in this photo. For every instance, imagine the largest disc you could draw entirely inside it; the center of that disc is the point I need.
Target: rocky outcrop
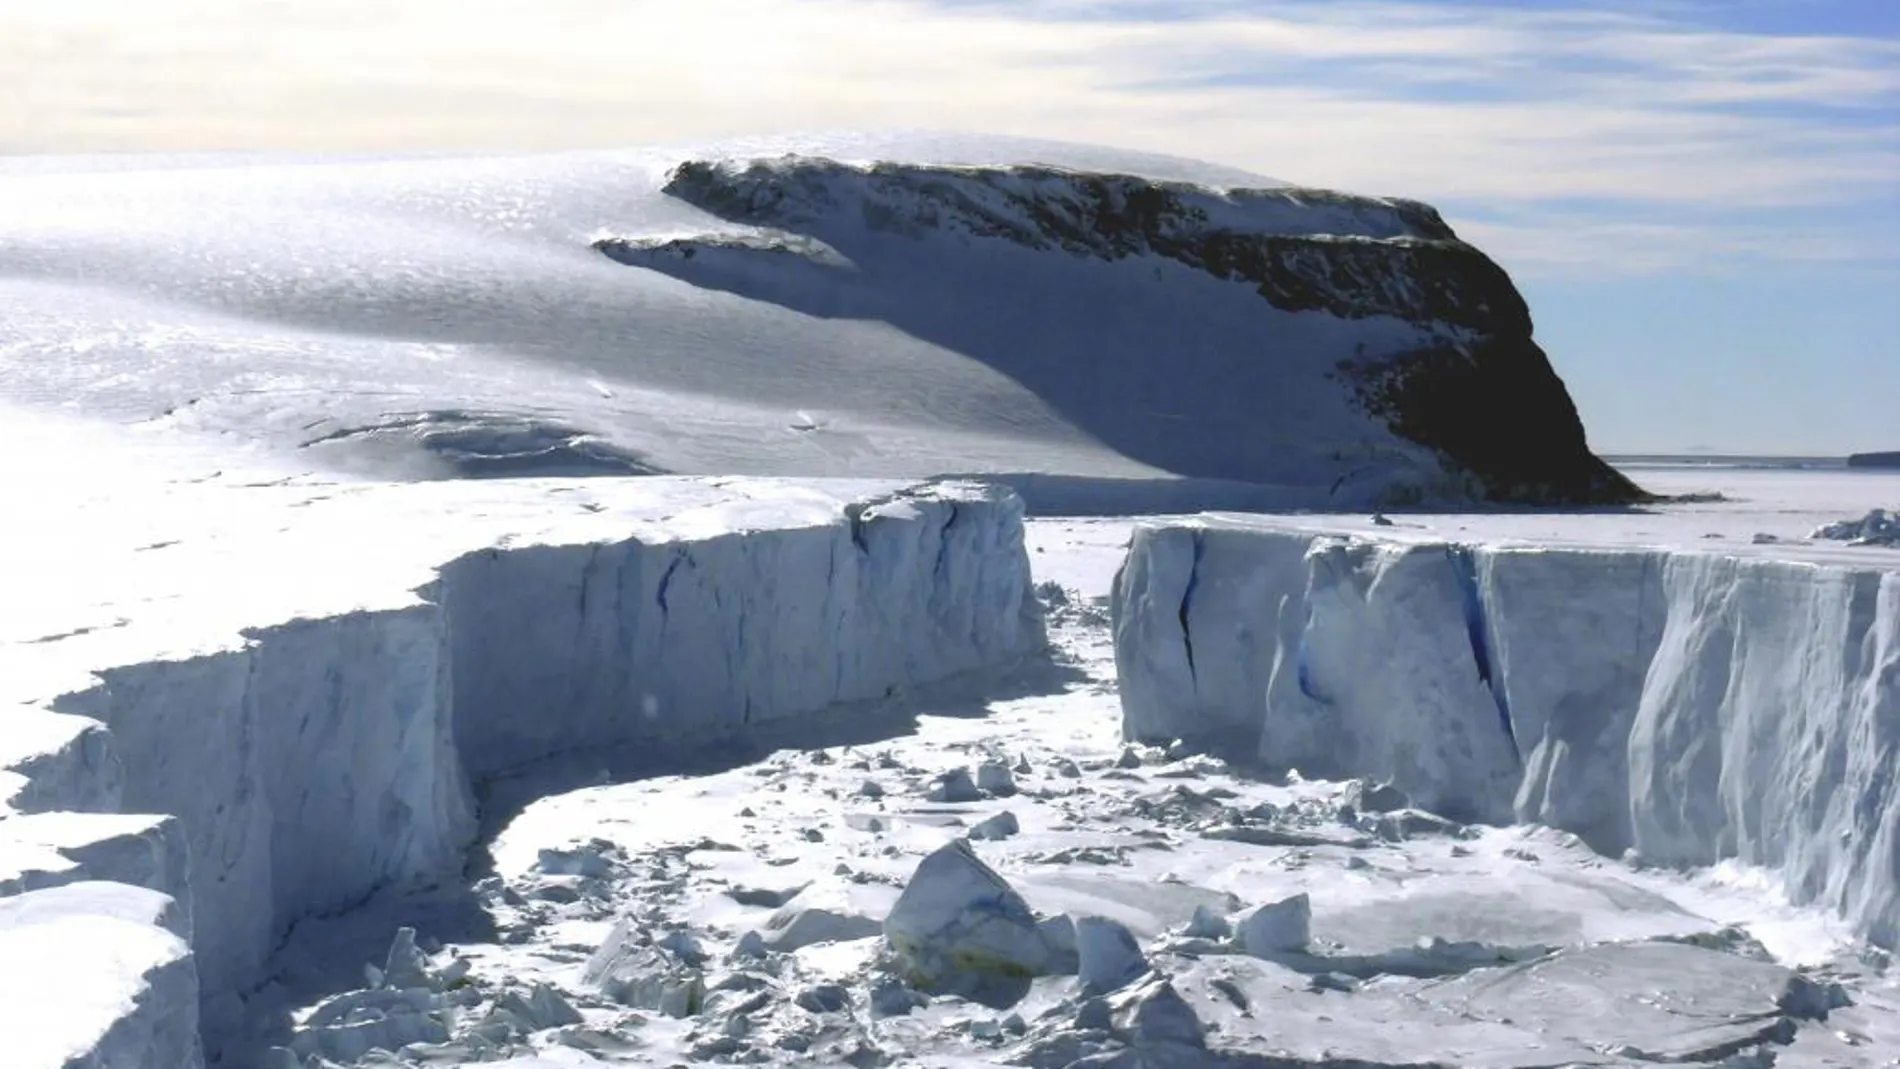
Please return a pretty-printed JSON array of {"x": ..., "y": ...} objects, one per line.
[
  {"x": 1874, "y": 460},
  {"x": 1466, "y": 381}
]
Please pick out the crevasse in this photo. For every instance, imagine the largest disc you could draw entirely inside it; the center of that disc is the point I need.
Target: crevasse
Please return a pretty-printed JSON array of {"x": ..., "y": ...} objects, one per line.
[{"x": 1691, "y": 707}]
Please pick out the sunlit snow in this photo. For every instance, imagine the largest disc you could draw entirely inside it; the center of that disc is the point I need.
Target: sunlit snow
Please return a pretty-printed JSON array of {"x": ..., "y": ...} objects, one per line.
[{"x": 378, "y": 694}]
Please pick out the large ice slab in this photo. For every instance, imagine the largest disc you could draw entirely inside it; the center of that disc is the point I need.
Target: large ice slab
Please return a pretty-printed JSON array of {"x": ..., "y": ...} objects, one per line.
[
  {"x": 1692, "y": 706},
  {"x": 45, "y": 850},
  {"x": 96, "y": 979},
  {"x": 307, "y": 678}
]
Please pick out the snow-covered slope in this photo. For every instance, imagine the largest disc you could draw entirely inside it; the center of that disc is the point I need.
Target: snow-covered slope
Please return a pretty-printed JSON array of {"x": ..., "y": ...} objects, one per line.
[
  {"x": 1689, "y": 706},
  {"x": 789, "y": 307}
]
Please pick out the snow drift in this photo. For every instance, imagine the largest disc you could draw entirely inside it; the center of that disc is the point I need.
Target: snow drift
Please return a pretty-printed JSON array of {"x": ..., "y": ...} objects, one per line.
[
  {"x": 1689, "y": 707},
  {"x": 326, "y": 759},
  {"x": 1058, "y": 314}
]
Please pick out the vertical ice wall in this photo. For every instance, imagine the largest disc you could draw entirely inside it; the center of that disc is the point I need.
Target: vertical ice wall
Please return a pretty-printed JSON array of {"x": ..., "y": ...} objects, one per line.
[
  {"x": 614, "y": 642},
  {"x": 322, "y": 760},
  {"x": 305, "y": 770},
  {"x": 1769, "y": 730},
  {"x": 1693, "y": 707},
  {"x": 1574, "y": 634}
]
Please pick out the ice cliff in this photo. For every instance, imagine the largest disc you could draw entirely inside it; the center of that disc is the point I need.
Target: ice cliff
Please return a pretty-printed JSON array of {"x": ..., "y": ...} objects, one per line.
[
  {"x": 1686, "y": 706},
  {"x": 322, "y": 759}
]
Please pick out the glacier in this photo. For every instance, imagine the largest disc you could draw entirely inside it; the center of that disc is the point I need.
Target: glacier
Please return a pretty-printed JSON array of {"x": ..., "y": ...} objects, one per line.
[
  {"x": 173, "y": 784},
  {"x": 1679, "y": 706}
]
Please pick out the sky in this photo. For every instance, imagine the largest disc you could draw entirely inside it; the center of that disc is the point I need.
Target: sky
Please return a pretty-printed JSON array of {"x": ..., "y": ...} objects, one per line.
[{"x": 1699, "y": 198}]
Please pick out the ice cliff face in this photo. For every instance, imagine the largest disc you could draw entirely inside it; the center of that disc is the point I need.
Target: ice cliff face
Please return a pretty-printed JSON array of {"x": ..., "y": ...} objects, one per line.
[
  {"x": 1693, "y": 708},
  {"x": 1442, "y": 355},
  {"x": 323, "y": 760}
]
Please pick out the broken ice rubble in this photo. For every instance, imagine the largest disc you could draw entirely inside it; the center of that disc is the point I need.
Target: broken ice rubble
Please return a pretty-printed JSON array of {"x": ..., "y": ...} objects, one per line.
[
  {"x": 1880, "y": 527},
  {"x": 419, "y": 1002}
]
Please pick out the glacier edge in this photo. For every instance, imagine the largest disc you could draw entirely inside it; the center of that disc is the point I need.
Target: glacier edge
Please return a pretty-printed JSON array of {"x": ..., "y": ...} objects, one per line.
[
  {"x": 322, "y": 760},
  {"x": 1689, "y": 707}
]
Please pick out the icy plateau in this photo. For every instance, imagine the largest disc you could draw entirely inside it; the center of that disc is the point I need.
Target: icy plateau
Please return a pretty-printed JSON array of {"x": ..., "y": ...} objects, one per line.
[
  {"x": 752, "y": 604},
  {"x": 1095, "y": 327}
]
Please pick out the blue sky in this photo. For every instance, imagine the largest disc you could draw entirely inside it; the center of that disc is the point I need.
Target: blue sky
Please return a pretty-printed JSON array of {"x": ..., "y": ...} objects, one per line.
[{"x": 1700, "y": 199}]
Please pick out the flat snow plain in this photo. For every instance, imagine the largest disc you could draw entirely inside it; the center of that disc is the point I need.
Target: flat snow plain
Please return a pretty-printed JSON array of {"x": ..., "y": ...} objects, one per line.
[{"x": 1786, "y": 504}]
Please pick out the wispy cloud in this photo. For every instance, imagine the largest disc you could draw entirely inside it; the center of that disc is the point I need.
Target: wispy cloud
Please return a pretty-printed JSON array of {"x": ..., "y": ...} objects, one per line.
[{"x": 1690, "y": 144}]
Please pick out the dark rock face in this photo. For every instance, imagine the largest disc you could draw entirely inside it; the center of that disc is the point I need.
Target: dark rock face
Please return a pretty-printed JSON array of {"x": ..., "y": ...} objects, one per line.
[
  {"x": 1874, "y": 460},
  {"x": 1498, "y": 409},
  {"x": 1479, "y": 392}
]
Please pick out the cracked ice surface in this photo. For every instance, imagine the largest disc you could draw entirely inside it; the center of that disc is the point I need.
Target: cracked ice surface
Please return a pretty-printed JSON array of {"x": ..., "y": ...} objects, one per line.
[
  {"x": 304, "y": 676},
  {"x": 1690, "y": 703}
]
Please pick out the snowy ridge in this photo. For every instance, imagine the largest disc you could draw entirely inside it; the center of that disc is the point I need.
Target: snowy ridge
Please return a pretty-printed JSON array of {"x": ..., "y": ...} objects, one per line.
[
  {"x": 1107, "y": 215},
  {"x": 1303, "y": 250},
  {"x": 1689, "y": 707},
  {"x": 323, "y": 759},
  {"x": 900, "y": 306}
]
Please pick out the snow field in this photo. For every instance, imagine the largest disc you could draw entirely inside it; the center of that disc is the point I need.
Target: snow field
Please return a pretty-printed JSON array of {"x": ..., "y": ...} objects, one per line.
[
  {"x": 320, "y": 760},
  {"x": 1689, "y": 707}
]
